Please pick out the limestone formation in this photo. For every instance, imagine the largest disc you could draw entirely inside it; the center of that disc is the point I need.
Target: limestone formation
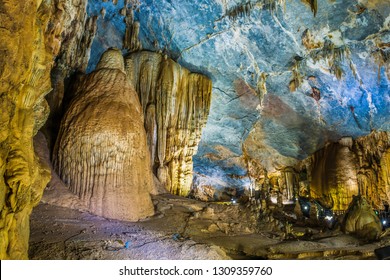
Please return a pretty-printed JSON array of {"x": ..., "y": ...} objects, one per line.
[
  {"x": 101, "y": 151},
  {"x": 373, "y": 153},
  {"x": 70, "y": 25},
  {"x": 26, "y": 57},
  {"x": 361, "y": 220},
  {"x": 334, "y": 173},
  {"x": 176, "y": 104},
  {"x": 131, "y": 41},
  {"x": 350, "y": 167}
]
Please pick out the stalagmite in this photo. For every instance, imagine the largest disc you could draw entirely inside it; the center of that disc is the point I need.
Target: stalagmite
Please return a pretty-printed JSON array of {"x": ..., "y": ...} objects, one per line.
[
  {"x": 101, "y": 151},
  {"x": 131, "y": 41},
  {"x": 179, "y": 102},
  {"x": 361, "y": 220}
]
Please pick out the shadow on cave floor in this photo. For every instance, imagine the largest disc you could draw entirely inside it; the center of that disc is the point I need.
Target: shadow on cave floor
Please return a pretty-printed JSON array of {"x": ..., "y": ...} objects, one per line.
[{"x": 181, "y": 229}]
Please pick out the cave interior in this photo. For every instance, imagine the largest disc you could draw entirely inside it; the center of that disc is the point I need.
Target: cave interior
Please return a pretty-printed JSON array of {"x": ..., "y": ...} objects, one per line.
[{"x": 179, "y": 129}]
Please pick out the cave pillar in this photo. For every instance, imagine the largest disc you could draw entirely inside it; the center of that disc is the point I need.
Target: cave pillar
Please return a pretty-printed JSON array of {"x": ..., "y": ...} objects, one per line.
[{"x": 176, "y": 104}]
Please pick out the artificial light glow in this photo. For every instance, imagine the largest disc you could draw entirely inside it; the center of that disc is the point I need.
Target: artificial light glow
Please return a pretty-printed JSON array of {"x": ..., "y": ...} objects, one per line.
[
  {"x": 305, "y": 207},
  {"x": 329, "y": 218},
  {"x": 384, "y": 222}
]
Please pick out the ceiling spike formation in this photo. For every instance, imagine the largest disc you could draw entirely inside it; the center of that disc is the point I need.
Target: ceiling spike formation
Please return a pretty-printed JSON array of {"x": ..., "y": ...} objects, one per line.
[
  {"x": 381, "y": 55},
  {"x": 243, "y": 10},
  {"x": 131, "y": 41},
  {"x": 333, "y": 55},
  {"x": 176, "y": 105},
  {"x": 313, "y": 5}
]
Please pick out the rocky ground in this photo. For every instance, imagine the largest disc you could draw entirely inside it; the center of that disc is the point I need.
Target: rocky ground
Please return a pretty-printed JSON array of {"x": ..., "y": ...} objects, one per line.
[{"x": 181, "y": 229}]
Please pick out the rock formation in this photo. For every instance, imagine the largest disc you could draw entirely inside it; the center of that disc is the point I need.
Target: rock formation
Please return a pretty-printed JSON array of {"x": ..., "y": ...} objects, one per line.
[
  {"x": 26, "y": 52},
  {"x": 361, "y": 220},
  {"x": 73, "y": 33},
  {"x": 334, "y": 173},
  {"x": 176, "y": 104},
  {"x": 350, "y": 167},
  {"x": 101, "y": 151}
]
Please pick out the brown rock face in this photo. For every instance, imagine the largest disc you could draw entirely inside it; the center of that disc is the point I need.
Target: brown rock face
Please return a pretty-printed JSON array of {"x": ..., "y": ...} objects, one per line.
[
  {"x": 101, "y": 151},
  {"x": 176, "y": 104},
  {"x": 361, "y": 219}
]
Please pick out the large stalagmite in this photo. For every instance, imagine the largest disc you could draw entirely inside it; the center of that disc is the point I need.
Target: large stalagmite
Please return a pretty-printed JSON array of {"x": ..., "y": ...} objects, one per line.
[
  {"x": 101, "y": 151},
  {"x": 176, "y": 105}
]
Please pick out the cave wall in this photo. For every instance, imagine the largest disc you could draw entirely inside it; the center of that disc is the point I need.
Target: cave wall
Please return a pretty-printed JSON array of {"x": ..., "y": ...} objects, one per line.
[
  {"x": 33, "y": 34},
  {"x": 26, "y": 53},
  {"x": 176, "y": 104}
]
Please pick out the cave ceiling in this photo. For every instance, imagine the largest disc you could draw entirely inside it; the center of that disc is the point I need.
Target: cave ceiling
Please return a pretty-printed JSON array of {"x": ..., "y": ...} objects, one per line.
[{"x": 287, "y": 76}]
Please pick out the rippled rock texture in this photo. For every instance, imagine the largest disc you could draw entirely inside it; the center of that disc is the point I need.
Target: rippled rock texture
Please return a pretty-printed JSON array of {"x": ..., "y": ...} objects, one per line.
[
  {"x": 175, "y": 103},
  {"x": 101, "y": 151},
  {"x": 30, "y": 38}
]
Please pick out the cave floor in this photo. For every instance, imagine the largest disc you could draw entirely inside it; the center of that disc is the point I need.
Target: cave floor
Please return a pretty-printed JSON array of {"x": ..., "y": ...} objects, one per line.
[{"x": 181, "y": 229}]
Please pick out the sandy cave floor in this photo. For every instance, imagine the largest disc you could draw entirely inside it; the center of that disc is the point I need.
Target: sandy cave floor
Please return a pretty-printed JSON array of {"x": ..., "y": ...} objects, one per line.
[
  {"x": 179, "y": 230},
  {"x": 61, "y": 228}
]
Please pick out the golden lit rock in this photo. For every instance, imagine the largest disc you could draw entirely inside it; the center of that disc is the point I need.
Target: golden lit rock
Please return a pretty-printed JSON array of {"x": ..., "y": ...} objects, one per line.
[
  {"x": 25, "y": 61},
  {"x": 334, "y": 174},
  {"x": 361, "y": 220}
]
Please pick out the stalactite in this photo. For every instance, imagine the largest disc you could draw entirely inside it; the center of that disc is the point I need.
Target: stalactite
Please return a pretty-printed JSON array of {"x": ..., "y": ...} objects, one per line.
[
  {"x": 261, "y": 87},
  {"x": 297, "y": 77},
  {"x": 334, "y": 56},
  {"x": 381, "y": 54},
  {"x": 180, "y": 102},
  {"x": 313, "y": 5},
  {"x": 131, "y": 41},
  {"x": 101, "y": 151}
]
